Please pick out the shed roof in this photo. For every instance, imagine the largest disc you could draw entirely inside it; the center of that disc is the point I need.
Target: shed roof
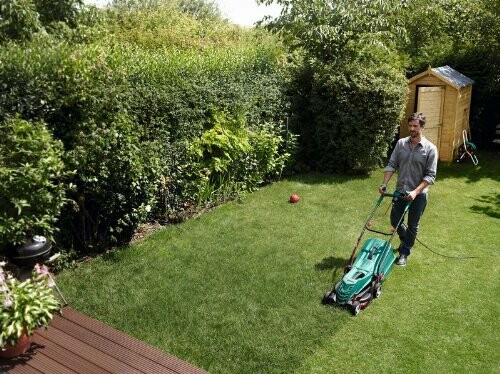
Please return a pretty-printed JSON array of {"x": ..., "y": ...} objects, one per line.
[
  {"x": 448, "y": 74},
  {"x": 454, "y": 76}
]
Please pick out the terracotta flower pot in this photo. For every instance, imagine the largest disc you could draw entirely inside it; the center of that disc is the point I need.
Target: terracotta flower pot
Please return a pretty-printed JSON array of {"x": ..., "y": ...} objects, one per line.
[{"x": 20, "y": 348}]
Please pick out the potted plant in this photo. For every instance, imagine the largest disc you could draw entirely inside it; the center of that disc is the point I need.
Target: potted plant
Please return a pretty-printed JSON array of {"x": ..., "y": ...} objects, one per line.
[{"x": 25, "y": 306}]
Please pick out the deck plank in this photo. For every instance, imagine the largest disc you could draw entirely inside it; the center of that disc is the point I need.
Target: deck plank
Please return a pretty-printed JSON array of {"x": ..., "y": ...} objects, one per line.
[
  {"x": 61, "y": 354},
  {"x": 130, "y": 343},
  {"x": 76, "y": 343}
]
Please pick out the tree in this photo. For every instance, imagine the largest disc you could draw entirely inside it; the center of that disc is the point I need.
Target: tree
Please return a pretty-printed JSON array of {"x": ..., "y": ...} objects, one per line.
[
  {"x": 58, "y": 11},
  {"x": 465, "y": 35},
  {"x": 200, "y": 9},
  {"x": 19, "y": 20},
  {"x": 330, "y": 30},
  {"x": 348, "y": 96},
  {"x": 438, "y": 30}
]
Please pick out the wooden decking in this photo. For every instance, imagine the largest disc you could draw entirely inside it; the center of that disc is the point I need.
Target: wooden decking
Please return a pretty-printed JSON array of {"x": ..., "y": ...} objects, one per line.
[{"x": 76, "y": 343}]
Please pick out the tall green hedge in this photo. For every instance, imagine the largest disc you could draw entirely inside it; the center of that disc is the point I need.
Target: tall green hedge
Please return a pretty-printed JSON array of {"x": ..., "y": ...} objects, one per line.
[
  {"x": 128, "y": 115},
  {"x": 347, "y": 115}
]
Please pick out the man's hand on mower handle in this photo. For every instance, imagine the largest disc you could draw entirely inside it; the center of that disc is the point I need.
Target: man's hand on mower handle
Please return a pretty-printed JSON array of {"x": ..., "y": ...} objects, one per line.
[
  {"x": 411, "y": 195},
  {"x": 382, "y": 189}
]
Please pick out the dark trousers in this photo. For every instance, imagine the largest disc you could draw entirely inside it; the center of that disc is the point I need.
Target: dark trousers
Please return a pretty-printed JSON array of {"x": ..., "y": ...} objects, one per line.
[{"x": 408, "y": 233}]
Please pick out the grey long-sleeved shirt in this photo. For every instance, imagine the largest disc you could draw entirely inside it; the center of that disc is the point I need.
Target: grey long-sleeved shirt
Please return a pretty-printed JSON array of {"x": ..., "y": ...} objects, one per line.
[{"x": 413, "y": 165}]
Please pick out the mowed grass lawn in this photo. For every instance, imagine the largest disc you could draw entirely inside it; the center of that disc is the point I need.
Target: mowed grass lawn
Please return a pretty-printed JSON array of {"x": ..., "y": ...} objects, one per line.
[{"x": 239, "y": 289}]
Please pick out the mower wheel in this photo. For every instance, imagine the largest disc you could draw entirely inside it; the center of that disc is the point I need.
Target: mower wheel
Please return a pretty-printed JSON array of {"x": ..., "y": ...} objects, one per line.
[
  {"x": 356, "y": 308},
  {"x": 377, "y": 291},
  {"x": 329, "y": 298}
]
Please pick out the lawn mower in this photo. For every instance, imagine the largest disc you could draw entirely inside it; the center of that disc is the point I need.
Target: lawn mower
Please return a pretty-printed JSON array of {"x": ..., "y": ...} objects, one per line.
[{"x": 363, "y": 277}]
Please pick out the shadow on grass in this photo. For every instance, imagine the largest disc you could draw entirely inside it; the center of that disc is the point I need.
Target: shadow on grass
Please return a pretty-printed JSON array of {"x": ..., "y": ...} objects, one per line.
[
  {"x": 334, "y": 264},
  {"x": 320, "y": 178},
  {"x": 492, "y": 207},
  {"x": 488, "y": 167},
  {"x": 331, "y": 263}
]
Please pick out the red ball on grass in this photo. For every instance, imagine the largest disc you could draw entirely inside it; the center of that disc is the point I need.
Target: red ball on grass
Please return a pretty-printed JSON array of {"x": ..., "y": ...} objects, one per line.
[{"x": 294, "y": 198}]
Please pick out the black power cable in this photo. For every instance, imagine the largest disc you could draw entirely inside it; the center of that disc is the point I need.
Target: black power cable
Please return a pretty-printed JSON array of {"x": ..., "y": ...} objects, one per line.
[
  {"x": 418, "y": 240},
  {"x": 437, "y": 253}
]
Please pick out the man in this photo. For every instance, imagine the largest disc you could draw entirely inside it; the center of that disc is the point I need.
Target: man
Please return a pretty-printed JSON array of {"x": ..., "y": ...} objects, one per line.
[{"x": 415, "y": 159}]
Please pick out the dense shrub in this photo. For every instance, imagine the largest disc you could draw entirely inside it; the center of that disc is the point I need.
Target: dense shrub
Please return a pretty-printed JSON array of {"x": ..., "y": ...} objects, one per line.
[
  {"x": 347, "y": 115},
  {"x": 175, "y": 95},
  {"x": 22, "y": 19},
  {"x": 32, "y": 181},
  {"x": 116, "y": 184},
  {"x": 129, "y": 106},
  {"x": 233, "y": 156},
  {"x": 19, "y": 20},
  {"x": 64, "y": 85}
]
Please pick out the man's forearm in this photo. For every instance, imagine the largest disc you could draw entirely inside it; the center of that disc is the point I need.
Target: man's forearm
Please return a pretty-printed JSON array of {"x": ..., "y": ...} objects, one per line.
[
  {"x": 387, "y": 177},
  {"x": 422, "y": 186}
]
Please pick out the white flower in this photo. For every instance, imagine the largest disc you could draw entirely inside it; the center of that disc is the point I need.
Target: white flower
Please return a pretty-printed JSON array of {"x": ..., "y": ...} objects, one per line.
[{"x": 7, "y": 303}]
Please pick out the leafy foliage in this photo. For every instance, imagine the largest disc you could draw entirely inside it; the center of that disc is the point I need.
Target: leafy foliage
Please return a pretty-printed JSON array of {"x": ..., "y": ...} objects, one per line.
[
  {"x": 347, "y": 85},
  {"x": 466, "y": 36},
  {"x": 436, "y": 30},
  {"x": 116, "y": 183},
  {"x": 33, "y": 181},
  {"x": 347, "y": 116},
  {"x": 65, "y": 11},
  {"x": 230, "y": 152},
  {"x": 331, "y": 30},
  {"x": 128, "y": 106},
  {"x": 483, "y": 65},
  {"x": 22, "y": 19},
  {"x": 19, "y": 20},
  {"x": 200, "y": 9}
]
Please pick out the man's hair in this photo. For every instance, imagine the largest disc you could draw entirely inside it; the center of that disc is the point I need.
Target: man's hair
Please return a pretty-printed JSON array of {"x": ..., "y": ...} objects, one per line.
[{"x": 420, "y": 116}]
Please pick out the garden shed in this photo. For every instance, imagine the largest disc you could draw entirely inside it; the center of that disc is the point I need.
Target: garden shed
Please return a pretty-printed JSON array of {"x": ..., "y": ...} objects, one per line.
[{"x": 443, "y": 95}]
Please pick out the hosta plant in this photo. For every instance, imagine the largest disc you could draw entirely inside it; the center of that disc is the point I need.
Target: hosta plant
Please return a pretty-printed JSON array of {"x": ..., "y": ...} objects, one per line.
[{"x": 25, "y": 305}]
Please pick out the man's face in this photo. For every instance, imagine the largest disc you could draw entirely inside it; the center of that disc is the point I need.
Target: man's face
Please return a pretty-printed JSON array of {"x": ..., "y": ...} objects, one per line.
[{"x": 414, "y": 128}]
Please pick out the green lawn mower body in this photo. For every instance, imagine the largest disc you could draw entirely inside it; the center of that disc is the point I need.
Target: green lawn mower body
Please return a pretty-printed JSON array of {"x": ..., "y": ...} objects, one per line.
[
  {"x": 363, "y": 277},
  {"x": 363, "y": 280}
]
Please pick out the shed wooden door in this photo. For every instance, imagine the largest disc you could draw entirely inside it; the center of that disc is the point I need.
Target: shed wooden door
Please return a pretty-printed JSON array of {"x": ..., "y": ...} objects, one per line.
[{"x": 430, "y": 102}]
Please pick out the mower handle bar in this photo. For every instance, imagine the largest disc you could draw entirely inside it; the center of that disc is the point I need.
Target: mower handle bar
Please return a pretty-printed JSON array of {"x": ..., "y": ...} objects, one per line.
[{"x": 396, "y": 194}]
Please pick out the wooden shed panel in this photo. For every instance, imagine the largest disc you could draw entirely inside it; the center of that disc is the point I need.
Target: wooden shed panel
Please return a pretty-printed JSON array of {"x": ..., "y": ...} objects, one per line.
[
  {"x": 446, "y": 152},
  {"x": 462, "y": 118},
  {"x": 430, "y": 102},
  {"x": 428, "y": 80},
  {"x": 449, "y": 124}
]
